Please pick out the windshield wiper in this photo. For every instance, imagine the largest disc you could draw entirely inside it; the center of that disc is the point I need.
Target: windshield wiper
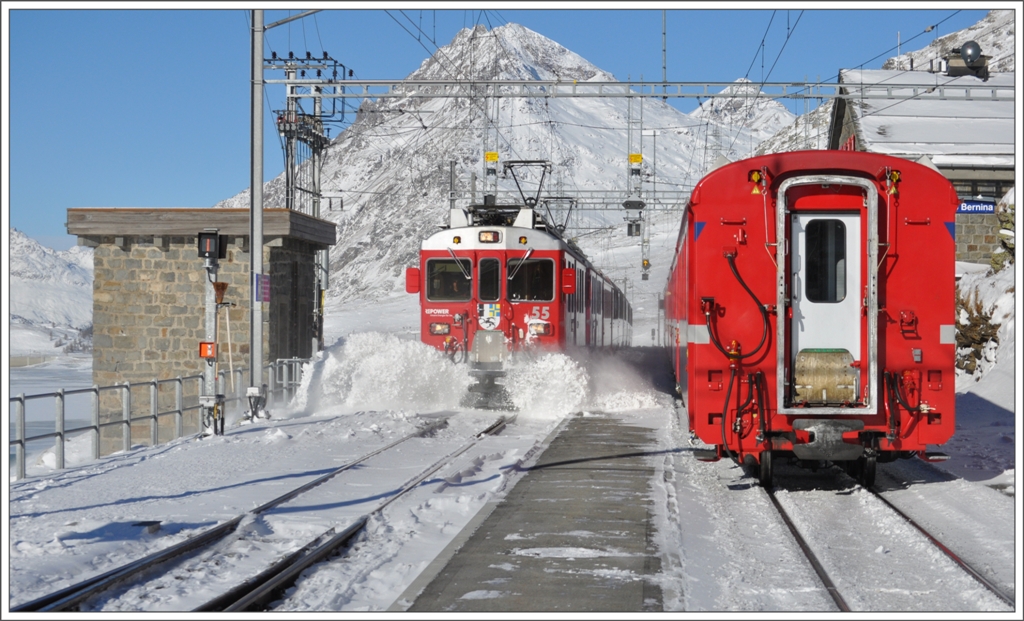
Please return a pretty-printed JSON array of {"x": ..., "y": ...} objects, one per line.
[
  {"x": 459, "y": 263},
  {"x": 521, "y": 262}
]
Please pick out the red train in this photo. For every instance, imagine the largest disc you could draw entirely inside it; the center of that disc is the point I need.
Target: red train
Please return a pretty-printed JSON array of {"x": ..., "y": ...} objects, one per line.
[
  {"x": 501, "y": 279},
  {"x": 811, "y": 310}
]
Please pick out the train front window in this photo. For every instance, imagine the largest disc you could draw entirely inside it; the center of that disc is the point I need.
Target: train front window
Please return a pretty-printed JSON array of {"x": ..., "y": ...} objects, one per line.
[
  {"x": 447, "y": 282},
  {"x": 533, "y": 280},
  {"x": 826, "y": 261},
  {"x": 490, "y": 280}
]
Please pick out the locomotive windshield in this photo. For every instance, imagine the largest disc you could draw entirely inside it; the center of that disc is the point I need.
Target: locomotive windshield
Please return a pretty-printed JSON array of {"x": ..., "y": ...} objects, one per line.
[
  {"x": 532, "y": 280},
  {"x": 446, "y": 280},
  {"x": 826, "y": 261}
]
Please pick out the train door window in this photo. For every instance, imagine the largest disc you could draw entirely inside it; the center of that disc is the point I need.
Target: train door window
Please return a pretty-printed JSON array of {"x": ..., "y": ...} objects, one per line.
[
  {"x": 531, "y": 280},
  {"x": 490, "y": 280},
  {"x": 826, "y": 261},
  {"x": 446, "y": 280}
]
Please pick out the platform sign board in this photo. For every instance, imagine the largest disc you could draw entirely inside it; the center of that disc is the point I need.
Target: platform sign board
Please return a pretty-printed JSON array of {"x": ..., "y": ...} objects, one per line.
[
  {"x": 976, "y": 206},
  {"x": 261, "y": 288}
]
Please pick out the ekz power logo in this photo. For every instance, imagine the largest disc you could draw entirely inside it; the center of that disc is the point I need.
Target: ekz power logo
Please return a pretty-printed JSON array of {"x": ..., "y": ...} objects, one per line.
[{"x": 437, "y": 311}]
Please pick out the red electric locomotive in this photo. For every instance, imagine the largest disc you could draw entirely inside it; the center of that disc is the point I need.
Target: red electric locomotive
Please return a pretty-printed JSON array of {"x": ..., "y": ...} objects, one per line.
[
  {"x": 811, "y": 307},
  {"x": 501, "y": 279}
]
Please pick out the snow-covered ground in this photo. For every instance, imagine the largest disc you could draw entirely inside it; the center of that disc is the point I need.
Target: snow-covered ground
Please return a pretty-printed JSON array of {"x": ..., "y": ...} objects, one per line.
[{"x": 375, "y": 383}]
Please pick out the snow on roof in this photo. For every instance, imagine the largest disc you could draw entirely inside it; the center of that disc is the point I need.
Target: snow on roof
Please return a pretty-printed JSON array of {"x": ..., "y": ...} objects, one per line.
[{"x": 952, "y": 132}]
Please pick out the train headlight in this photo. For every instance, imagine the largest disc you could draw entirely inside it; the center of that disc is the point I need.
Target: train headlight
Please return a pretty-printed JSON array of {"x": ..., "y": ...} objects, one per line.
[
  {"x": 440, "y": 328},
  {"x": 490, "y": 237},
  {"x": 540, "y": 328}
]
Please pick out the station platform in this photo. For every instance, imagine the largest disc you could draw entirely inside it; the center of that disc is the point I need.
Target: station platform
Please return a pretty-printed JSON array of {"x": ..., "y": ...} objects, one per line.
[{"x": 573, "y": 535}]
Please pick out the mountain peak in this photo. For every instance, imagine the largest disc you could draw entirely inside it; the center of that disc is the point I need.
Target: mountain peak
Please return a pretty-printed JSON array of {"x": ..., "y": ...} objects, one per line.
[{"x": 509, "y": 52}]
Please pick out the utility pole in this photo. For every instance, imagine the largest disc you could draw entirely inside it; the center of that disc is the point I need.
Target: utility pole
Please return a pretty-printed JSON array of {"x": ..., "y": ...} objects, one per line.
[
  {"x": 256, "y": 392},
  {"x": 645, "y": 238}
]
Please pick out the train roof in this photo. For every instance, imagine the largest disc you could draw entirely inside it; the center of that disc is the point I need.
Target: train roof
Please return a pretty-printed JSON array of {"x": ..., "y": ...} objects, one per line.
[{"x": 781, "y": 165}]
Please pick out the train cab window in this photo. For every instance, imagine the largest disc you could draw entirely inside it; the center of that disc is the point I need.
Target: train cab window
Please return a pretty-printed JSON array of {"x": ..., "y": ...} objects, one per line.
[
  {"x": 446, "y": 280},
  {"x": 490, "y": 280},
  {"x": 531, "y": 280},
  {"x": 825, "y": 254}
]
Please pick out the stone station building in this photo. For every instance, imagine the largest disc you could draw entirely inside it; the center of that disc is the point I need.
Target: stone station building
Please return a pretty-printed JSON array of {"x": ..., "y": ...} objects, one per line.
[{"x": 149, "y": 301}]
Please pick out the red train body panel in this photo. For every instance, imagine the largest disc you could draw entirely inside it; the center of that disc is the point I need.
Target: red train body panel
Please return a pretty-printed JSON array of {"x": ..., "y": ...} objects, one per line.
[{"x": 812, "y": 309}]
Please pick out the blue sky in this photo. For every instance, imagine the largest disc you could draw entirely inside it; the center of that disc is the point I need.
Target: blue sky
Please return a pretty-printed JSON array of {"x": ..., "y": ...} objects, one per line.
[{"x": 150, "y": 107}]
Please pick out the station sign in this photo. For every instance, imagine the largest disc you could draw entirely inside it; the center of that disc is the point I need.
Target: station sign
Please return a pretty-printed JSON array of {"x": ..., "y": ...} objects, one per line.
[
  {"x": 975, "y": 206},
  {"x": 261, "y": 287}
]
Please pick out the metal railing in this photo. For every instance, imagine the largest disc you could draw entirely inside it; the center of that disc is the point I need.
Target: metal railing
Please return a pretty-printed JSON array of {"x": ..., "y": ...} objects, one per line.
[{"x": 283, "y": 377}]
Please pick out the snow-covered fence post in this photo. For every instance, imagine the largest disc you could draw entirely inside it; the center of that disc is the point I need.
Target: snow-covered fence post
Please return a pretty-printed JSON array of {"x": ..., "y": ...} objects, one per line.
[
  {"x": 126, "y": 416},
  {"x": 58, "y": 446},
  {"x": 154, "y": 408},
  {"x": 19, "y": 433},
  {"x": 95, "y": 421},
  {"x": 178, "y": 423}
]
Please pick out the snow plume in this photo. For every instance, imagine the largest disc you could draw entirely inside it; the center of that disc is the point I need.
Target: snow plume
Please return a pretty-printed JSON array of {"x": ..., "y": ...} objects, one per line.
[
  {"x": 547, "y": 388},
  {"x": 374, "y": 371}
]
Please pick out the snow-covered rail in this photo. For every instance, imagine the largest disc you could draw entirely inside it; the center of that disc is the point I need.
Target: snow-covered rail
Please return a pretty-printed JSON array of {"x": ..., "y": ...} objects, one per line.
[
  {"x": 858, "y": 546},
  {"x": 256, "y": 591},
  {"x": 967, "y": 567}
]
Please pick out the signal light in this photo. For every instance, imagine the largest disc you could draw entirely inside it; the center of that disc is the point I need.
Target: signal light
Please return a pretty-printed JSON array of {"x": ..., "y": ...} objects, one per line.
[
  {"x": 440, "y": 328},
  {"x": 457, "y": 239},
  {"x": 522, "y": 240},
  {"x": 754, "y": 176},
  {"x": 490, "y": 237}
]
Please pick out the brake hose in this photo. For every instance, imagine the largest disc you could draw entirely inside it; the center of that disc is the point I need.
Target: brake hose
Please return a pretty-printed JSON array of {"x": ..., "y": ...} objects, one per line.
[{"x": 764, "y": 317}]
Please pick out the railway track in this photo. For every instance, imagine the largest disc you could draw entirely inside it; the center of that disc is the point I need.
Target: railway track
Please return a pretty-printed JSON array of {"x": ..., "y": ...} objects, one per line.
[
  {"x": 259, "y": 590},
  {"x": 833, "y": 576}
]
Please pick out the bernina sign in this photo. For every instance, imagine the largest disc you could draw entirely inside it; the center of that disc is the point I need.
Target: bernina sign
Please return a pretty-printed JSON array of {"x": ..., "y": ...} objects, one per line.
[{"x": 976, "y": 207}]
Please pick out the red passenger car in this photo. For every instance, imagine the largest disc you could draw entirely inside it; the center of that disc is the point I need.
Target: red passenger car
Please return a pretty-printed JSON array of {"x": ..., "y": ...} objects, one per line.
[
  {"x": 811, "y": 308},
  {"x": 500, "y": 280}
]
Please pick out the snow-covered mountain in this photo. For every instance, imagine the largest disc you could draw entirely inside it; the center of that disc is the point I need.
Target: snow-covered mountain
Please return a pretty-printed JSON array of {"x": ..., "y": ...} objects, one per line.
[
  {"x": 50, "y": 287},
  {"x": 807, "y": 131},
  {"x": 995, "y": 34},
  {"x": 744, "y": 121},
  {"x": 392, "y": 163},
  {"x": 51, "y": 296}
]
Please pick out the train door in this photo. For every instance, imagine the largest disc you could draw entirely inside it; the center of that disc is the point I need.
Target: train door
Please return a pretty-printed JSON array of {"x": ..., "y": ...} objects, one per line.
[
  {"x": 832, "y": 330},
  {"x": 826, "y": 328}
]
